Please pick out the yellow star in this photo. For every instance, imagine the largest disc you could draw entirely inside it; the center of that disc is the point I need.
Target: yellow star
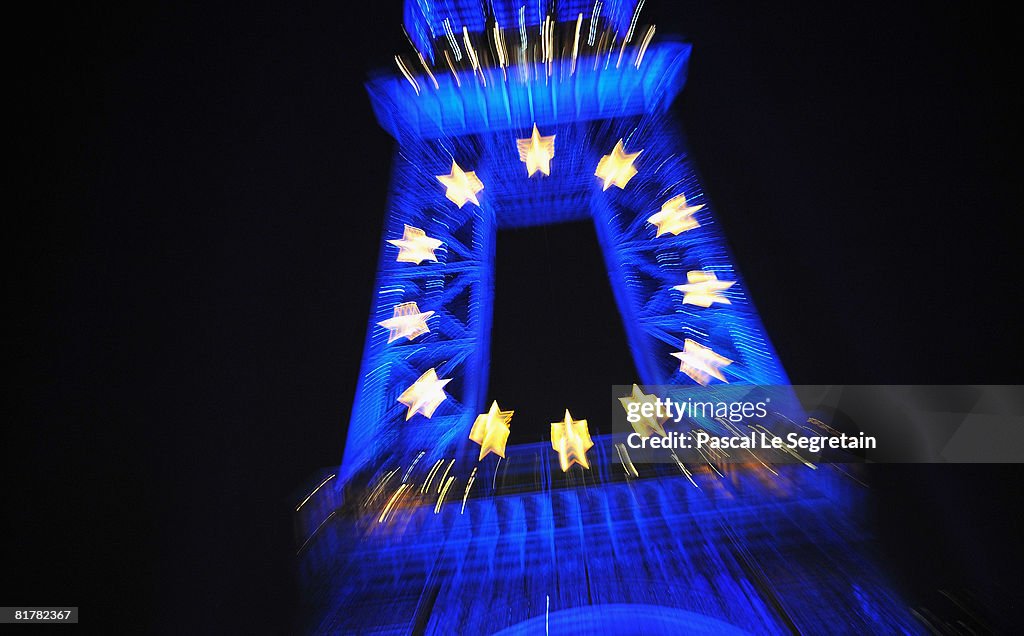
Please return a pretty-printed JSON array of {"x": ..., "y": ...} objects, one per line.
[
  {"x": 675, "y": 216},
  {"x": 703, "y": 289},
  {"x": 424, "y": 395},
  {"x": 701, "y": 363},
  {"x": 617, "y": 168},
  {"x": 491, "y": 430},
  {"x": 415, "y": 246},
  {"x": 647, "y": 424},
  {"x": 571, "y": 439},
  {"x": 537, "y": 152},
  {"x": 407, "y": 322},
  {"x": 461, "y": 186}
]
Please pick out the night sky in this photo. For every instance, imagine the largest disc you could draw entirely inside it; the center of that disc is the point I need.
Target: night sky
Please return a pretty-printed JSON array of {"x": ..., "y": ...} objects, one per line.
[{"x": 191, "y": 255}]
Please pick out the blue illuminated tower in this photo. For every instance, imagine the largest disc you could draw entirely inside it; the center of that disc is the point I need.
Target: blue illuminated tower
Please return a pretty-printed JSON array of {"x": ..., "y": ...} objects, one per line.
[
  {"x": 592, "y": 89},
  {"x": 510, "y": 114}
]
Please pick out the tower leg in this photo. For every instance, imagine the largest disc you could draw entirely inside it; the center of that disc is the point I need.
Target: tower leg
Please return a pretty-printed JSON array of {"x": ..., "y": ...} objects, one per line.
[
  {"x": 645, "y": 270},
  {"x": 458, "y": 288}
]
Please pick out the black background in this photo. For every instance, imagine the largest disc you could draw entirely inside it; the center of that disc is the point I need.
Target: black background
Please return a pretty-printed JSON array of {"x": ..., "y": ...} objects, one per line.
[{"x": 190, "y": 257}]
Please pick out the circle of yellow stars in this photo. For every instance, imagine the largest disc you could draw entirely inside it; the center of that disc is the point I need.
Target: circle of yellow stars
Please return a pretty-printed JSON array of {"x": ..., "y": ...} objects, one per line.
[{"x": 570, "y": 438}]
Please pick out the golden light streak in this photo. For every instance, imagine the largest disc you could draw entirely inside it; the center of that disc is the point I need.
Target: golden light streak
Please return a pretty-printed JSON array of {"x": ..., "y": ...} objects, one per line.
[
  {"x": 472, "y": 478},
  {"x": 571, "y": 439},
  {"x": 441, "y": 483},
  {"x": 310, "y": 495},
  {"x": 703, "y": 289},
  {"x": 549, "y": 35},
  {"x": 643, "y": 45},
  {"x": 682, "y": 467},
  {"x": 499, "y": 44},
  {"x": 549, "y": 40},
  {"x": 544, "y": 39},
  {"x": 426, "y": 68},
  {"x": 380, "y": 486},
  {"x": 537, "y": 152},
  {"x": 675, "y": 216},
  {"x": 408, "y": 322},
  {"x": 823, "y": 425},
  {"x": 625, "y": 460},
  {"x": 769, "y": 468},
  {"x": 391, "y": 502},
  {"x": 645, "y": 426},
  {"x": 622, "y": 50},
  {"x": 407, "y": 74},
  {"x": 617, "y": 168},
  {"x": 425, "y": 395},
  {"x": 701, "y": 363},
  {"x": 415, "y": 246},
  {"x": 444, "y": 491},
  {"x": 474, "y": 60},
  {"x": 576, "y": 44},
  {"x": 490, "y": 431},
  {"x": 430, "y": 476},
  {"x": 461, "y": 186}
]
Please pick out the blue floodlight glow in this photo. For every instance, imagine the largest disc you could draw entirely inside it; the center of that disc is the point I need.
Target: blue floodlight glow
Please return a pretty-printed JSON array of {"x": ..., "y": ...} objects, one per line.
[{"x": 419, "y": 533}]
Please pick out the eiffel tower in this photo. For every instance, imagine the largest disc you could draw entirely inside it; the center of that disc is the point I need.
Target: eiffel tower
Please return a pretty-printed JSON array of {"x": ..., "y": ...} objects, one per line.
[{"x": 513, "y": 114}]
